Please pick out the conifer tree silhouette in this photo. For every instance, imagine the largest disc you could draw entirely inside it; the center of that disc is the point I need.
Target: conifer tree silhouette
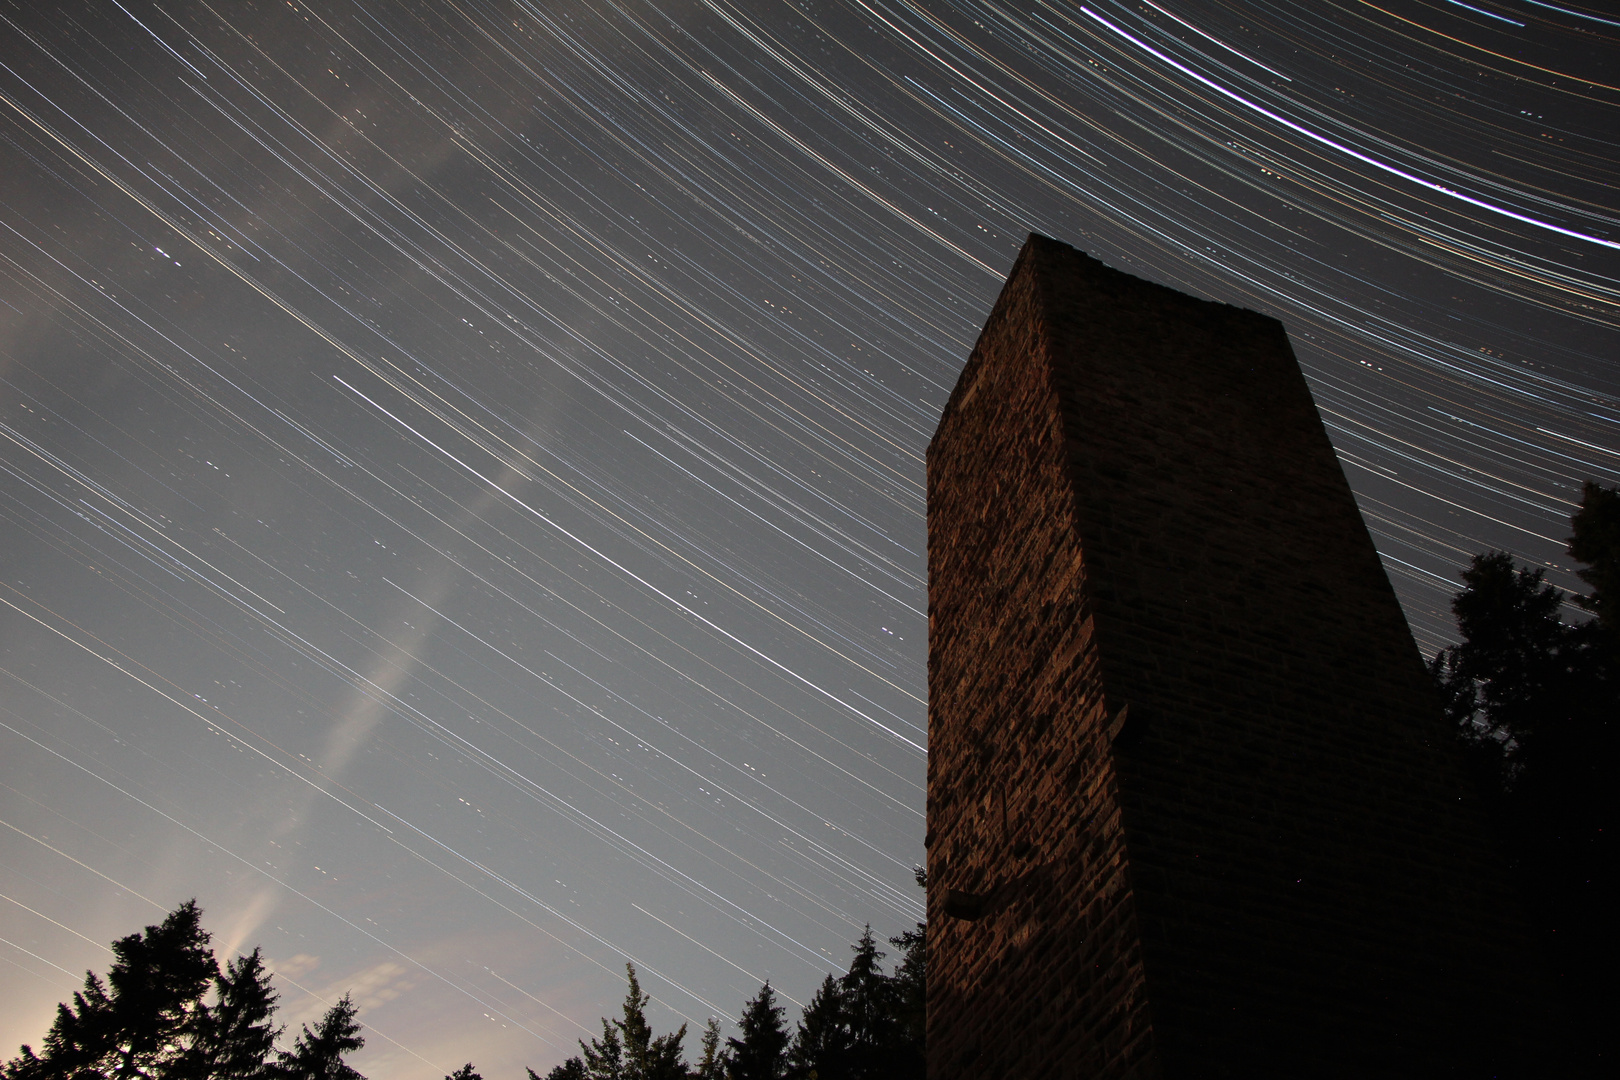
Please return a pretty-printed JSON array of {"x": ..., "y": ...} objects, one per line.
[
  {"x": 572, "y": 1069},
  {"x": 236, "y": 1035},
  {"x": 822, "y": 1043},
  {"x": 139, "y": 1022},
  {"x": 1536, "y": 701},
  {"x": 627, "y": 1049},
  {"x": 761, "y": 1052},
  {"x": 1597, "y": 543},
  {"x": 318, "y": 1054},
  {"x": 711, "y": 1066}
]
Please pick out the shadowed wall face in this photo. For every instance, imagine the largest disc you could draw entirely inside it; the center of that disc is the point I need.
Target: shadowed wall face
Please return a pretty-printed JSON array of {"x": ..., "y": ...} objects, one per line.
[{"x": 1183, "y": 751}]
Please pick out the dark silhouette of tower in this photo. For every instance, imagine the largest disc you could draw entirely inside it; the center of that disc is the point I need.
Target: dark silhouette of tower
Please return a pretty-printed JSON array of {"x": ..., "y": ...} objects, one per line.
[{"x": 1192, "y": 807}]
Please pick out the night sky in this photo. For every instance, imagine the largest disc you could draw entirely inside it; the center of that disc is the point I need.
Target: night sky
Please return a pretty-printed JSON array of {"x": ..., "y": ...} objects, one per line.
[{"x": 461, "y": 487}]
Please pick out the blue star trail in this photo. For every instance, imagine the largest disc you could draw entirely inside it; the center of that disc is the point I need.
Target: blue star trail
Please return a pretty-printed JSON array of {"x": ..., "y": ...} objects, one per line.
[{"x": 461, "y": 466}]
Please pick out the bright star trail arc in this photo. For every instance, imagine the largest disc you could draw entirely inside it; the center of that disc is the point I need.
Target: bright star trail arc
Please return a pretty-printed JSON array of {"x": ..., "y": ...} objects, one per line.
[{"x": 461, "y": 466}]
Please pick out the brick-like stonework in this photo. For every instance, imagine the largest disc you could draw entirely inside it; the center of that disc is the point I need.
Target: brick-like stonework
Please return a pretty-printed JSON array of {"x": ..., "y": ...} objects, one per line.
[{"x": 1185, "y": 765}]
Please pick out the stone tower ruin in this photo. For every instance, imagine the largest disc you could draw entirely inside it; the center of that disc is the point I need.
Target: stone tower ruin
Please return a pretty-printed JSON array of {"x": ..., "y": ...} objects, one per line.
[{"x": 1192, "y": 807}]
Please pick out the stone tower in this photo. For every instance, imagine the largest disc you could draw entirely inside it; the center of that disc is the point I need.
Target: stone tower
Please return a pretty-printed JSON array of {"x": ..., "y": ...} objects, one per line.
[{"x": 1192, "y": 810}]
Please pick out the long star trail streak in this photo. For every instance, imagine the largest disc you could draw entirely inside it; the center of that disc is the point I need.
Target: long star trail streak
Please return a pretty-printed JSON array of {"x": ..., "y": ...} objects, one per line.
[
  {"x": 513, "y": 415},
  {"x": 600, "y": 555}
]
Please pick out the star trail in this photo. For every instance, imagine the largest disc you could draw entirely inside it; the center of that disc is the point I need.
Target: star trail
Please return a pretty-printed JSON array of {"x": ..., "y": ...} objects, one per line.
[{"x": 461, "y": 464}]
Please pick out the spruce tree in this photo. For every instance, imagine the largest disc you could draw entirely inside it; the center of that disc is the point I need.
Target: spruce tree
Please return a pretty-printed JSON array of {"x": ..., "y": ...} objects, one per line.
[
  {"x": 318, "y": 1054},
  {"x": 156, "y": 981},
  {"x": 909, "y": 988},
  {"x": 604, "y": 1057},
  {"x": 1537, "y": 701},
  {"x": 665, "y": 1059},
  {"x": 236, "y": 1035},
  {"x": 761, "y": 1052},
  {"x": 572, "y": 1069},
  {"x": 139, "y": 1023},
  {"x": 1501, "y": 682},
  {"x": 634, "y": 1030},
  {"x": 869, "y": 1008},
  {"x": 79, "y": 1037},
  {"x": 867, "y": 1025},
  {"x": 711, "y": 1066},
  {"x": 821, "y": 1044},
  {"x": 1596, "y": 542},
  {"x": 627, "y": 1049},
  {"x": 166, "y": 1012}
]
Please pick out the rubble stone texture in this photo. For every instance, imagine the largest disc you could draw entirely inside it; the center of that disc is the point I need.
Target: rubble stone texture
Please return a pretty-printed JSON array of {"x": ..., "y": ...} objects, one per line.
[{"x": 1187, "y": 776}]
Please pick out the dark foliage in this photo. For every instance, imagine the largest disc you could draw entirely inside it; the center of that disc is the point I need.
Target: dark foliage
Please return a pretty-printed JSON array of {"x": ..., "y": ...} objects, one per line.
[
  {"x": 910, "y": 1001},
  {"x": 1510, "y": 677},
  {"x": 1597, "y": 544},
  {"x": 572, "y": 1069},
  {"x": 604, "y": 1057},
  {"x": 1537, "y": 702},
  {"x": 867, "y": 1025},
  {"x": 237, "y": 1035},
  {"x": 821, "y": 1044},
  {"x": 761, "y": 1052},
  {"x": 139, "y": 1023},
  {"x": 167, "y": 1012},
  {"x": 627, "y": 1049},
  {"x": 711, "y": 1065},
  {"x": 864, "y": 1025},
  {"x": 318, "y": 1054}
]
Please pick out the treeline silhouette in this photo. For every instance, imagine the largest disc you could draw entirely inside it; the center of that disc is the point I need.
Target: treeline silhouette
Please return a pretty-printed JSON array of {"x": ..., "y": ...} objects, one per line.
[
  {"x": 864, "y": 1025},
  {"x": 1536, "y": 702},
  {"x": 167, "y": 1011}
]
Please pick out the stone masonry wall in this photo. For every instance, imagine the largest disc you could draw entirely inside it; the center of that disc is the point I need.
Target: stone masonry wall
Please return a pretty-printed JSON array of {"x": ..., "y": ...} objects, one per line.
[
  {"x": 1184, "y": 757},
  {"x": 1023, "y": 806}
]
